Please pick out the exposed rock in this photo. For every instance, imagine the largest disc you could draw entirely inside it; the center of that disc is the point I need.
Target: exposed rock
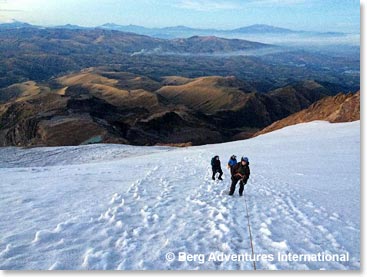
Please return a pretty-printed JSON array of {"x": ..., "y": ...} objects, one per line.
[
  {"x": 339, "y": 108},
  {"x": 75, "y": 130}
]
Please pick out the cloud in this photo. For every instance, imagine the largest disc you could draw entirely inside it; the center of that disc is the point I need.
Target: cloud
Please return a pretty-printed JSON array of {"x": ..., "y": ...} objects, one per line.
[
  {"x": 206, "y": 5},
  {"x": 286, "y": 2},
  {"x": 269, "y": 3},
  {"x": 5, "y": 7},
  {"x": 213, "y": 5},
  {"x": 9, "y": 10},
  {"x": 281, "y": 2}
]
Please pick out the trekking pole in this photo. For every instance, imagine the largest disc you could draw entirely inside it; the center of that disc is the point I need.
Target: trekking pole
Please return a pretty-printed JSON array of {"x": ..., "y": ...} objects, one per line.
[{"x": 249, "y": 230}]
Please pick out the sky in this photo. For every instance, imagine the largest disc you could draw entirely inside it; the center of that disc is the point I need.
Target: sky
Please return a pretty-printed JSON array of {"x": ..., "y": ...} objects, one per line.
[{"x": 309, "y": 15}]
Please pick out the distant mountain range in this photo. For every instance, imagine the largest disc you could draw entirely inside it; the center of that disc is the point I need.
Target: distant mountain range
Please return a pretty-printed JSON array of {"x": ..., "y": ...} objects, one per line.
[
  {"x": 54, "y": 40},
  {"x": 38, "y": 53},
  {"x": 181, "y": 31}
]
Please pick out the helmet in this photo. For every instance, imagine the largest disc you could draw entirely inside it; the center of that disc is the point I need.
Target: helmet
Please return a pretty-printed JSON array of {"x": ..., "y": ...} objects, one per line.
[
  {"x": 233, "y": 157},
  {"x": 245, "y": 159}
]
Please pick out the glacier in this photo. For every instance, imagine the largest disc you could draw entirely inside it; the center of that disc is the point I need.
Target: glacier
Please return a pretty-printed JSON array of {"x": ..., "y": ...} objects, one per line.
[{"x": 119, "y": 207}]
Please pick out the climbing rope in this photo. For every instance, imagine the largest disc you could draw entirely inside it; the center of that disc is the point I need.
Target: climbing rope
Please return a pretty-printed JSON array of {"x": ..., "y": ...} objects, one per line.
[{"x": 249, "y": 230}]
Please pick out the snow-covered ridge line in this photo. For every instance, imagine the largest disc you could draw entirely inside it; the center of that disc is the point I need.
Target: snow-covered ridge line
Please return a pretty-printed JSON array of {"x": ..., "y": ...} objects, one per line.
[{"x": 72, "y": 155}]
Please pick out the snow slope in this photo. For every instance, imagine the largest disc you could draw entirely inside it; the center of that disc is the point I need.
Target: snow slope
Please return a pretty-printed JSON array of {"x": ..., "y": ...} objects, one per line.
[{"x": 123, "y": 207}]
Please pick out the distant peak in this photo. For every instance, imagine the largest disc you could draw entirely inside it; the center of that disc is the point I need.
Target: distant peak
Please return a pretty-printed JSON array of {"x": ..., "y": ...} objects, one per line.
[
  {"x": 203, "y": 37},
  {"x": 262, "y": 28},
  {"x": 261, "y": 25},
  {"x": 110, "y": 25},
  {"x": 13, "y": 23}
]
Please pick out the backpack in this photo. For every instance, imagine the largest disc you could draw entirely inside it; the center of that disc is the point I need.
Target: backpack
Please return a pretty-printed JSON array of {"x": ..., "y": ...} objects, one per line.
[
  {"x": 213, "y": 161},
  {"x": 232, "y": 162}
]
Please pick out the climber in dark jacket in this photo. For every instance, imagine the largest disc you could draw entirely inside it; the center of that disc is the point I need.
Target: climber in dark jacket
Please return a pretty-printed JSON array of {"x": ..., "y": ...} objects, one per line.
[
  {"x": 240, "y": 172},
  {"x": 216, "y": 168}
]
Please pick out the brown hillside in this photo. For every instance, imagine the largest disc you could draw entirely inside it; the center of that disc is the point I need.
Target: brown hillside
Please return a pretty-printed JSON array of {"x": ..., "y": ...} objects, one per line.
[
  {"x": 207, "y": 94},
  {"x": 118, "y": 89},
  {"x": 106, "y": 105},
  {"x": 175, "y": 80},
  {"x": 21, "y": 91},
  {"x": 339, "y": 108}
]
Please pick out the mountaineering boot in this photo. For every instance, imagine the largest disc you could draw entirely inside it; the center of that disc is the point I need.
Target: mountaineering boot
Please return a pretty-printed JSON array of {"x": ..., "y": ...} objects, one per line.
[{"x": 220, "y": 175}]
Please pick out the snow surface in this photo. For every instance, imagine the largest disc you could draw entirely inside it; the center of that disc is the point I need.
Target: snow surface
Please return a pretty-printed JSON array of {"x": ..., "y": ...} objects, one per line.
[{"x": 124, "y": 207}]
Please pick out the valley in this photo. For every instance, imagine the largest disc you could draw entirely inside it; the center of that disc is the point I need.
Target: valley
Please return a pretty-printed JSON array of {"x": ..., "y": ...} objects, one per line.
[{"x": 69, "y": 86}]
